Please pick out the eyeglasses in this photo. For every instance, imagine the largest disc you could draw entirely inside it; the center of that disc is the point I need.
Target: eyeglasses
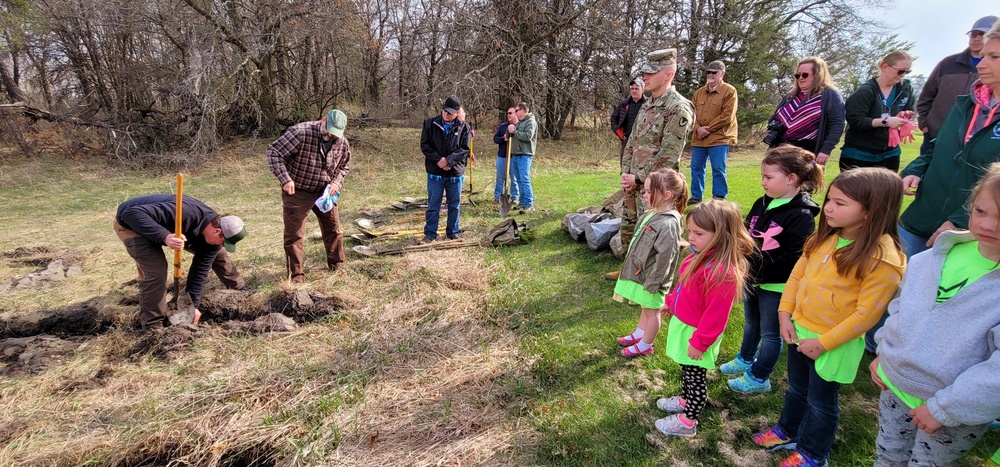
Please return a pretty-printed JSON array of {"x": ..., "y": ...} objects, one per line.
[
  {"x": 801, "y": 75},
  {"x": 712, "y": 72},
  {"x": 975, "y": 34},
  {"x": 510, "y": 113},
  {"x": 898, "y": 71}
]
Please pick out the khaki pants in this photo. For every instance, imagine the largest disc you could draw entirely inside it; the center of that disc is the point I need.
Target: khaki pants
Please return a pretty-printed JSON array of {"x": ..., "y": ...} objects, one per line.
[{"x": 295, "y": 209}]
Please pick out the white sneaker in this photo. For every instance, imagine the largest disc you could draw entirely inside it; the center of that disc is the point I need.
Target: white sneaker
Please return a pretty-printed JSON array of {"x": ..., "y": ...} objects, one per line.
[
  {"x": 670, "y": 404},
  {"x": 673, "y": 426}
]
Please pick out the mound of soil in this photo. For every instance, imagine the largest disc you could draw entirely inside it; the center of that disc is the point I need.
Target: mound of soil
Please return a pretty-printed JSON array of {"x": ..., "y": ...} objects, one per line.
[
  {"x": 84, "y": 319},
  {"x": 33, "y": 355},
  {"x": 52, "y": 271}
]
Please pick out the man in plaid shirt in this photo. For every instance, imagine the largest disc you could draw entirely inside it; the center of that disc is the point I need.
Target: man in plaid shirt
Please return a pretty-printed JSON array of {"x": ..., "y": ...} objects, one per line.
[{"x": 307, "y": 158}]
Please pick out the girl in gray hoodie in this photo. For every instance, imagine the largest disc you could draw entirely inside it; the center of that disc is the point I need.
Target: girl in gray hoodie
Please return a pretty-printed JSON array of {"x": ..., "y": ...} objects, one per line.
[{"x": 938, "y": 364}]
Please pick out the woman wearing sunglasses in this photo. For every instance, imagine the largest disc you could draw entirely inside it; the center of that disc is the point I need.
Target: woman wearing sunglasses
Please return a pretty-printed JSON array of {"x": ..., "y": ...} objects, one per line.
[
  {"x": 883, "y": 102},
  {"x": 812, "y": 113}
]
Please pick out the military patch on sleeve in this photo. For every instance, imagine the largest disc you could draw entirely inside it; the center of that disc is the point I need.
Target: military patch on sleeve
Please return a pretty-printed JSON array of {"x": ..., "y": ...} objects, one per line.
[{"x": 683, "y": 121}]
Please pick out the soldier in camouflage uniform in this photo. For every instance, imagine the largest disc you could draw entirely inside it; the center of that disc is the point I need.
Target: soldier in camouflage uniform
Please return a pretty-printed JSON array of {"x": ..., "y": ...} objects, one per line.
[{"x": 661, "y": 130}]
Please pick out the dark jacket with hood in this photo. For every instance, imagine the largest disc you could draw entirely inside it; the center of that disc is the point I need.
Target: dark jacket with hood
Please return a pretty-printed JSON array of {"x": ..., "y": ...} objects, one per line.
[
  {"x": 831, "y": 120},
  {"x": 153, "y": 217},
  {"x": 623, "y": 116},
  {"x": 948, "y": 174},
  {"x": 866, "y": 104},
  {"x": 436, "y": 145},
  {"x": 779, "y": 234},
  {"x": 952, "y": 77}
]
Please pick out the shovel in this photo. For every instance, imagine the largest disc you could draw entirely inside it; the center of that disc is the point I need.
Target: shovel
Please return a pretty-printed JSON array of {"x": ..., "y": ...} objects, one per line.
[
  {"x": 371, "y": 223},
  {"x": 186, "y": 312},
  {"x": 505, "y": 202}
]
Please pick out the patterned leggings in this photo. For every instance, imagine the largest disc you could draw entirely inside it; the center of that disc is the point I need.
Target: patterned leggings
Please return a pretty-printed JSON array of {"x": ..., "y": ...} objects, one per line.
[
  {"x": 694, "y": 390},
  {"x": 901, "y": 443}
]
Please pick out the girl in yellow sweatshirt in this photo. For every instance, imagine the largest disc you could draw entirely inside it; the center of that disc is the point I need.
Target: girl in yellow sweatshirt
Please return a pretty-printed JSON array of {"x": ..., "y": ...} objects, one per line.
[{"x": 848, "y": 272}]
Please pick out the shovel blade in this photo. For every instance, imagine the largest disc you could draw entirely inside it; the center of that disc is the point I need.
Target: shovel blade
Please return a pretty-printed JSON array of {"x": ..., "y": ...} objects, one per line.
[
  {"x": 364, "y": 250},
  {"x": 505, "y": 205},
  {"x": 185, "y": 312}
]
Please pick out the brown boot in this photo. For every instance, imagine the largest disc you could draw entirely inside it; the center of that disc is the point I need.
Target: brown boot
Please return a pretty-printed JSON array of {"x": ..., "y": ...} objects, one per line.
[{"x": 612, "y": 276}]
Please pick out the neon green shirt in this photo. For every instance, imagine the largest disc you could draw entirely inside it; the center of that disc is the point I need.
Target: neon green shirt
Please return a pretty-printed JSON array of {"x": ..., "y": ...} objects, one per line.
[{"x": 963, "y": 266}]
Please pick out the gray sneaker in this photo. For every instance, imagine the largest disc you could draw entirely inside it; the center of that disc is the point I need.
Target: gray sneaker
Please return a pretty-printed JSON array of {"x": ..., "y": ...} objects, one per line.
[
  {"x": 670, "y": 404},
  {"x": 673, "y": 426}
]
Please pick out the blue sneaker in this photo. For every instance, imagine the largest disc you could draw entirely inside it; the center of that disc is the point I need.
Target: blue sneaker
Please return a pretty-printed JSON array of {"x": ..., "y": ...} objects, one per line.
[
  {"x": 748, "y": 384},
  {"x": 735, "y": 366}
]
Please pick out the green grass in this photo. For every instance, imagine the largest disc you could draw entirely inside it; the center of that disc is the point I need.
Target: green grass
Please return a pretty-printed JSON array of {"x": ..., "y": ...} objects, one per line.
[{"x": 586, "y": 405}]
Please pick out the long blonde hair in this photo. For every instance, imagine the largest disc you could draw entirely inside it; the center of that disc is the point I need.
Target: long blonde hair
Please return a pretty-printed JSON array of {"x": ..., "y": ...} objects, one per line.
[{"x": 727, "y": 253}]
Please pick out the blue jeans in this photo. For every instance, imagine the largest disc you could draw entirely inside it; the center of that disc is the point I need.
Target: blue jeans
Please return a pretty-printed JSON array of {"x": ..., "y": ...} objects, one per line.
[
  {"x": 912, "y": 244},
  {"x": 501, "y": 175},
  {"x": 811, "y": 411},
  {"x": 760, "y": 326},
  {"x": 438, "y": 186},
  {"x": 717, "y": 156},
  {"x": 520, "y": 171}
]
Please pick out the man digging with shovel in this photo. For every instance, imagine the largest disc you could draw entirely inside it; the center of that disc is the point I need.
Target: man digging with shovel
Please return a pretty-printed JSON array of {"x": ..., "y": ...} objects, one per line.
[{"x": 145, "y": 225}]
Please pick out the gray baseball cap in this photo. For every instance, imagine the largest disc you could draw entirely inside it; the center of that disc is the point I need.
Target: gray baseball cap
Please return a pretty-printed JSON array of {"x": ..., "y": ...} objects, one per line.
[{"x": 336, "y": 122}]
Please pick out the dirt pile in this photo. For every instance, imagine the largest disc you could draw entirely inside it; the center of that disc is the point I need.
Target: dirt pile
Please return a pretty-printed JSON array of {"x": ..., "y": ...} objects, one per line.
[{"x": 53, "y": 269}]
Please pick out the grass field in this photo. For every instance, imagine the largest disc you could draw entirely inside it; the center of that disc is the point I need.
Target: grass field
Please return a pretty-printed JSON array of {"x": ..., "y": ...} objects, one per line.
[{"x": 482, "y": 356}]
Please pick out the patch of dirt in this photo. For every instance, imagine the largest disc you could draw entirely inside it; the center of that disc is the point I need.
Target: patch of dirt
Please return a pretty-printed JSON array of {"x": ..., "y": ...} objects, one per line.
[
  {"x": 166, "y": 343},
  {"x": 52, "y": 271},
  {"x": 33, "y": 355},
  {"x": 84, "y": 319},
  {"x": 303, "y": 306}
]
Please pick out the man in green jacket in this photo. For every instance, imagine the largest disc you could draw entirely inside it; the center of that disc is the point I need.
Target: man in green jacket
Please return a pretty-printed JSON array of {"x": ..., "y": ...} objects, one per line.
[{"x": 523, "y": 140}]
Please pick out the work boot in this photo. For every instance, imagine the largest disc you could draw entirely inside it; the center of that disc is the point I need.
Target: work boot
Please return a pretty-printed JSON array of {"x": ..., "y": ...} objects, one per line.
[
  {"x": 612, "y": 276},
  {"x": 299, "y": 279}
]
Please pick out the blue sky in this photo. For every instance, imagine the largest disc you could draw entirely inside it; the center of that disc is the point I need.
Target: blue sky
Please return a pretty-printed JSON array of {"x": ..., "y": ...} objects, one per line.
[{"x": 936, "y": 27}]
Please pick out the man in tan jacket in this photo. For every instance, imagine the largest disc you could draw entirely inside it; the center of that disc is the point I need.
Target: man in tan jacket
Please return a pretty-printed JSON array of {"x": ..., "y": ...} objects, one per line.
[{"x": 714, "y": 131}]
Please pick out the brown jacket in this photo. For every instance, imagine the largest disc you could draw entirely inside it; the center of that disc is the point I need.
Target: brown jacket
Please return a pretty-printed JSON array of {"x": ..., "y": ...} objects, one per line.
[{"x": 717, "y": 110}]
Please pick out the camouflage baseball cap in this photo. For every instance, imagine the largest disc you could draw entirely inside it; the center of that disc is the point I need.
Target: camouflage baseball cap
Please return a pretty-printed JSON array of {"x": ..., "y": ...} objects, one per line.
[
  {"x": 657, "y": 59},
  {"x": 716, "y": 65}
]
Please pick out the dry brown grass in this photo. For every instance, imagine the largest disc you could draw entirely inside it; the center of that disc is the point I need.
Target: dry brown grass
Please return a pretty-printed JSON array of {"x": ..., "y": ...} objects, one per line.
[{"x": 411, "y": 372}]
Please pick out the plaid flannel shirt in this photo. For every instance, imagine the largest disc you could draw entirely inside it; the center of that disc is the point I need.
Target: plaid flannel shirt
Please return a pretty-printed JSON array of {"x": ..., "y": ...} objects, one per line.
[{"x": 298, "y": 156}]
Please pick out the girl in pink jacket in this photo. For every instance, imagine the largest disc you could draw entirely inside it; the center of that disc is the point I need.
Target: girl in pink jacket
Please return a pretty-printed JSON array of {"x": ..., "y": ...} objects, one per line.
[{"x": 711, "y": 280}]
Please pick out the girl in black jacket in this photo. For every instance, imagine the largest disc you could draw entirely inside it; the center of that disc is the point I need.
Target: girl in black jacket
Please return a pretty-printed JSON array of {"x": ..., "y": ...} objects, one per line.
[{"x": 780, "y": 221}]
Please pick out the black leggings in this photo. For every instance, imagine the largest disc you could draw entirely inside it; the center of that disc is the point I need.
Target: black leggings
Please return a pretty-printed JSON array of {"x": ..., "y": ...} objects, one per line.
[{"x": 694, "y": 390}]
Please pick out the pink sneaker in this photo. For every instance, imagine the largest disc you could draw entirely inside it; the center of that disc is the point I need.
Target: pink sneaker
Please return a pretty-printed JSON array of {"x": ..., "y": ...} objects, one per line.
[{"x": 633, "y": 351}]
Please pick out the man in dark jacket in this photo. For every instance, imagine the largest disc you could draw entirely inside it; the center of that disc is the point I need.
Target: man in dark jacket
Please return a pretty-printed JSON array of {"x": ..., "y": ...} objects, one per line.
[
  {"x": 445, "y": 144},
  {"x": 147, "y": 223},
  {"x": 951, "y": 78},
  {"x": 623, "y": 115},
  {"x": 503, "y": 139}
]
